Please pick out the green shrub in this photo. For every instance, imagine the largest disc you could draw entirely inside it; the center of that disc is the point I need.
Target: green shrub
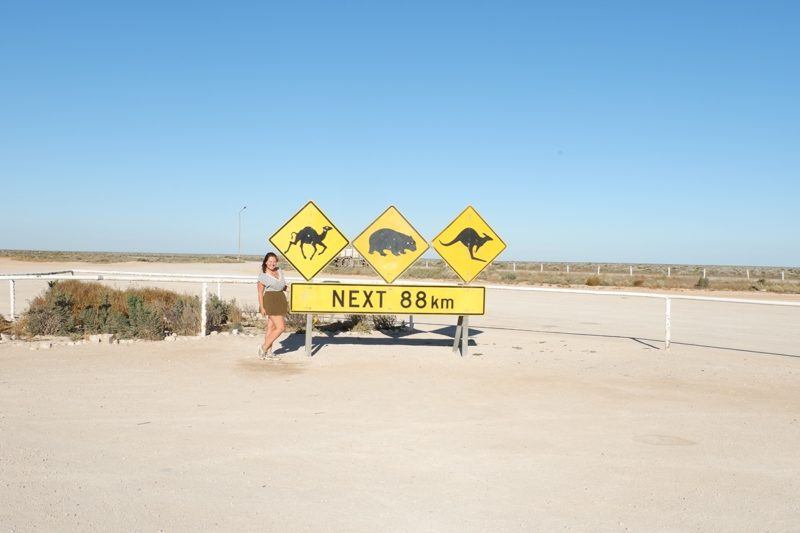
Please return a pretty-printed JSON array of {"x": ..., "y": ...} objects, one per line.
[
  {"x": 220, "y": 313},
  {"x": 143, "y": 321},
  {"x": 183, "y": 316},
  {"x": 51, "y": 314},
  {"x": 638, "y": 282},
  {"x": 508, "y": 276},
  {"x": 81, "y": 308},
  {"x": 702, "y": 283}
]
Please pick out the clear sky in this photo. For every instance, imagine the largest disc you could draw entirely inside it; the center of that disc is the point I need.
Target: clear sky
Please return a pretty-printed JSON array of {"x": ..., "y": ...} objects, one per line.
[{"x": 597, "y": 131}]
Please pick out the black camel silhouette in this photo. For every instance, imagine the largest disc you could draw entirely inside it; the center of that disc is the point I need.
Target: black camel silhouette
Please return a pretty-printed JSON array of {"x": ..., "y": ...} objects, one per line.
[{"x": 309, "y": 235}]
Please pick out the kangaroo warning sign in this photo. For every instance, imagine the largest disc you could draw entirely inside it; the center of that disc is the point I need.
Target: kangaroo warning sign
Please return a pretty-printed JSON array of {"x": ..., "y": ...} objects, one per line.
[
  {"x": 309, "y": 240},
  {"x": 468, "y": 244},
  {"x": 390, "y": 244},
  {"x": 387, "y": 299}
]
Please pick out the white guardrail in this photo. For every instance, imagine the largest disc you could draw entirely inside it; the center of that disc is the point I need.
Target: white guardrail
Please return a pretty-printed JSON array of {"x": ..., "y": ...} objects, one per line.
[{"x": 205, "y": 279}]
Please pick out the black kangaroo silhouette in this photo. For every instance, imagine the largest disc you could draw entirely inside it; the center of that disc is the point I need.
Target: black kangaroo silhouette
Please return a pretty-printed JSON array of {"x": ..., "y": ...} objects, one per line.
[
  {"x": 309, "y": 235},
  {"x": 470, "y": 238}
]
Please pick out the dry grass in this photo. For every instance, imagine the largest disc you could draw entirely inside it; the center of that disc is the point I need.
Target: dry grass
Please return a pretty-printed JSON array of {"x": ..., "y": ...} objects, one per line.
[
  {"x": 654, "y": 276},
  {"x": 120, "y": 257}
]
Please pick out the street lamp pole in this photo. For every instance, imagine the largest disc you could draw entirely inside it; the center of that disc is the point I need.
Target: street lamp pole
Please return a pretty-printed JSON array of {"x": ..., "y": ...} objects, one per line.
[{"x": 239, "y": 247}]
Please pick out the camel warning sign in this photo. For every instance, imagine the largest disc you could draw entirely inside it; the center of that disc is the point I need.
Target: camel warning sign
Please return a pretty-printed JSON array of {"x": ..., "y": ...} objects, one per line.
[
  {"x": 390, "y": 244},
  {"x": 468, "y": 244},
  {"x": 309, "y": 240}
]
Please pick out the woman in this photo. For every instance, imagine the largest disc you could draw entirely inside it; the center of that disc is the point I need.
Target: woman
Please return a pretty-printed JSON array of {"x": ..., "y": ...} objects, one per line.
[{"x": 271, "y": 301}]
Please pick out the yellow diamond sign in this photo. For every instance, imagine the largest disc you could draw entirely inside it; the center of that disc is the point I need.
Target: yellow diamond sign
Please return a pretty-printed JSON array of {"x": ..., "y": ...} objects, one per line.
[
  {"x": 390, "y": 244},
  {"x": 468, "y": 244},
  {"x": 309, "y": 240}
]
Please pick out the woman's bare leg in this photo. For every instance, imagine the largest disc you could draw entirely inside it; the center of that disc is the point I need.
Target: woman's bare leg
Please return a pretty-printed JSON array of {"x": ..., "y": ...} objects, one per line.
[
  {"x": 268, "y": 331},
  {"x": 279, "y": 326}
]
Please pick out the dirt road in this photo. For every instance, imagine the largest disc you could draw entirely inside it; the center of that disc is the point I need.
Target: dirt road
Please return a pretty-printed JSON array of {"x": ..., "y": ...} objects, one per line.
[{"x": 565, "y": 416}]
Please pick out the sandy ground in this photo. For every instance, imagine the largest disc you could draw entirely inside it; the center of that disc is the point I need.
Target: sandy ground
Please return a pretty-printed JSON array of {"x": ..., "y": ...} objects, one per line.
[{"x": 567, "y": 415}]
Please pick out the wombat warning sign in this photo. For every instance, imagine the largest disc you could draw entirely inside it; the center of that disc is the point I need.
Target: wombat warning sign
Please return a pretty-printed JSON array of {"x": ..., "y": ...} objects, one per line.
[{"x": 390, "y": 244}]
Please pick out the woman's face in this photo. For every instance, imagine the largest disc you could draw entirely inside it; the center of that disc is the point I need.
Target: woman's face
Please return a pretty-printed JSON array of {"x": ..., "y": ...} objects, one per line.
[{"x": 272, "y": 263}]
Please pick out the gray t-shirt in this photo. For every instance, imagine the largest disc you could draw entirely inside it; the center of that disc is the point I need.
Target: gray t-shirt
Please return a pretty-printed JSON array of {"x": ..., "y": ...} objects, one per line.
[{"x": 271, "y": 283}]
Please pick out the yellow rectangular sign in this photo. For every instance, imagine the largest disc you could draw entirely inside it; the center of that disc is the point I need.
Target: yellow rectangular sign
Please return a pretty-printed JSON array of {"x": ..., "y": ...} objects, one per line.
[{"x": 387, "y": 299}]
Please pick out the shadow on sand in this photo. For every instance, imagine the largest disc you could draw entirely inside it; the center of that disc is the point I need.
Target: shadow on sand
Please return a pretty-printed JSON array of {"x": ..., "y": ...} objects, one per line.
[
  {"x": 650, "y": 343},
  {"x": 404, "y": 337}
]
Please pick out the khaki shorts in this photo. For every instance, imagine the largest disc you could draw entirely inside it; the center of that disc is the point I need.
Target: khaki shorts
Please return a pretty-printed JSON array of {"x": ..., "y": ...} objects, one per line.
[{"x": 275, "y": 303}]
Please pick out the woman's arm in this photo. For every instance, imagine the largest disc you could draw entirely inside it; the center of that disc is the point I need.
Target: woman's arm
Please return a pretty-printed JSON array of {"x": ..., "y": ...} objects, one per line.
[{"x": 260, "y": 299}]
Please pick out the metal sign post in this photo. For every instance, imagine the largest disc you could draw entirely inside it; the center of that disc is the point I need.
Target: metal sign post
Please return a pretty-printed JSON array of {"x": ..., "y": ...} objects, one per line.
[
  {"x": 468, "y": 244},
  {"x": 457, "y": 336},
  {"x": 309, "y": 327},
  {"x": 465, "y": 338}
]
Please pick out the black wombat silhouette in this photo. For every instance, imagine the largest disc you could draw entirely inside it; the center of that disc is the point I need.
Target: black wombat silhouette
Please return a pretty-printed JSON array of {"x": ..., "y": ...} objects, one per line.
[
  {"x": 470, "y": 238},
  {"x": 309, "y": 235},
  {"x": 389, "y": 239}
]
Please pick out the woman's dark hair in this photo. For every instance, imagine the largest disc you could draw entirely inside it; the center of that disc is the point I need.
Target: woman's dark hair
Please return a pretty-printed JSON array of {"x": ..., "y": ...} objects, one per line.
[{"x": 266, "y": 258}]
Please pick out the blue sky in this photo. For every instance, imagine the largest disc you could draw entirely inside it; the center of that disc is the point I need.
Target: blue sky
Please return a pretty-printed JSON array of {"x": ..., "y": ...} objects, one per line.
[{"x": 582, "y": 131}]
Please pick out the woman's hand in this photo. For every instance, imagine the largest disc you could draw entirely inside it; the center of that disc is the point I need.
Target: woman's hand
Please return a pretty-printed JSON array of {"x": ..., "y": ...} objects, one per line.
[{"x": 263, "y": 312}]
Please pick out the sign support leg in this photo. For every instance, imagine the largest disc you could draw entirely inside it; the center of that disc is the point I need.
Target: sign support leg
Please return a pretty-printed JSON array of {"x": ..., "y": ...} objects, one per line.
[
  {"x": 309, "y": 326},
  {"x": 457, "y": 336},
  {"x": 465, "y": 338}
]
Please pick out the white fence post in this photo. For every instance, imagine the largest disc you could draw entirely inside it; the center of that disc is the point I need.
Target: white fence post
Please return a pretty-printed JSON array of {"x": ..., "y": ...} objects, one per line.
[
  {"x": 783, "y": 275},
  {"x": 514, "y": 267},
  {"x": 567, "y": 269},
  {"x": 704, "y": 273},
  {"x": 667, "y": 323},
  {"x": 541, "y": 267},
  {"x": 204, "y": 310},
  {"x": 748, "y": 273},
  {"x": 631, "y": 269},
  {"x": 12, "y": 296},
  {"x": 669, "y": 272},
  {"x": 598, "y": 270}
]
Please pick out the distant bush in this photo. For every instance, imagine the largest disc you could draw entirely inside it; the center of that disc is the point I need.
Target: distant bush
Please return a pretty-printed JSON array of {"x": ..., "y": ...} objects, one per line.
[
  {"x": 593, "y": 281},
  {"x": 220, "y": 313},
  {"x": 508, "y": 276},
  {"x": 384, "y": 322},
  {"x": 5, "y": 325},
  {"x": 702, "y": 283},
  {"x": 296, "y": 322},
  {"x": 81, "y": 308},
  {"x": 638, "y": 282}
]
